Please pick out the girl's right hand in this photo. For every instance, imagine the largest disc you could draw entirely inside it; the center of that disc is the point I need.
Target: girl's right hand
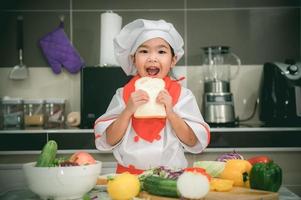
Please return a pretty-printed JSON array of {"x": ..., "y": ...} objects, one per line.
[{"x": 136, "y": 99}]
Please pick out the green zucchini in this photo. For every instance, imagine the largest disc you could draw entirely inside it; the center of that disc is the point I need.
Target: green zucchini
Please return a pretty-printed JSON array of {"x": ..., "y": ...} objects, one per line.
[
  {"x": 48, "y": 154},
  {"x": 160, "y": 186}
]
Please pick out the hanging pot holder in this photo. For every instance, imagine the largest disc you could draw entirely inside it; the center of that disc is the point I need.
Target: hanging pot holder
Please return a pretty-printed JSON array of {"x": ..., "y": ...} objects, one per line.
[{"x": 59, "y": 51}]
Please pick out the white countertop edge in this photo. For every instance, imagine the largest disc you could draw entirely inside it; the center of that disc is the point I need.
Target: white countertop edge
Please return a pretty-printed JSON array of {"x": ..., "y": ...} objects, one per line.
[
  {"x": 58, "y": 152},
  {"x": 48, "y": 131},
  {"x": 222, "y": 129},
  {"x": 209, "y": 150}
]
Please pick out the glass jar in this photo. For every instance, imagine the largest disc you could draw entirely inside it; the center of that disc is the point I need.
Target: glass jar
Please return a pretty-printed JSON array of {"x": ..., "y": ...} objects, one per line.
[
  {"x": 34, "y": 113},
  {"x": 13, "y": 115},
  {"x": 54, "y": 113}
]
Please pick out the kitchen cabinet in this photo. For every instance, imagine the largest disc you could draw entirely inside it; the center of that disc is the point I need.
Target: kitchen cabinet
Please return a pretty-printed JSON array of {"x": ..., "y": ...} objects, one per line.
[{"x": 71, "y": 139}]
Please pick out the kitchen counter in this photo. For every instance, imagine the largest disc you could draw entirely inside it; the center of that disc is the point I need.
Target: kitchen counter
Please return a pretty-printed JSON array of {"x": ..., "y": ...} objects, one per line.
[
  {"x": 100, "y": 194},
  {"x": 283, "y": 144},
  {"x": 30, "y": 141}
]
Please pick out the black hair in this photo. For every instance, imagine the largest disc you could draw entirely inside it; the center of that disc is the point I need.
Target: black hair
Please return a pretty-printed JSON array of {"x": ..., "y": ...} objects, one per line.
[{"x": 172, "y": 51}]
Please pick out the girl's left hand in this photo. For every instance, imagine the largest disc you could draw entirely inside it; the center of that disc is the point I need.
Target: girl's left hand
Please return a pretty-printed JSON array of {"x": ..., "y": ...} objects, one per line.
[{"x": 165, "y": 99}]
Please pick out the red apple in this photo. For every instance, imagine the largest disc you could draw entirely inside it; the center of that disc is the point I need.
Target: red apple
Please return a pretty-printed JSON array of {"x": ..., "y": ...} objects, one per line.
[{"x": 82, "y": 158}]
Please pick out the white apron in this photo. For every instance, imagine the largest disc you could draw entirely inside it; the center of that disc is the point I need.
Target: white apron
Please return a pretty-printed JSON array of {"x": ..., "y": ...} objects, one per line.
[{"x": 166, "y": 150}]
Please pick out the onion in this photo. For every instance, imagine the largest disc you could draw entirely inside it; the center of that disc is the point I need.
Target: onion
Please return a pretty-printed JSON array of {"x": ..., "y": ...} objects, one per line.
[
  {"x": 193, "y": 185},
  {"x": 230, "y": 156}
]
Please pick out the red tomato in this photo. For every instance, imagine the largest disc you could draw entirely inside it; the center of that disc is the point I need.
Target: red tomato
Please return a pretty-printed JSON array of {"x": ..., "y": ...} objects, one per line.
[
  {"x": 195, "y": 169},
  {"x": 259, "y": 159},
  {"x": 198, "y": 170}
]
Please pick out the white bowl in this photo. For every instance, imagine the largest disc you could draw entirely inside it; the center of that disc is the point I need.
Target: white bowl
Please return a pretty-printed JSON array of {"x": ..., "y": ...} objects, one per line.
[{"x": 61, "y": 182}]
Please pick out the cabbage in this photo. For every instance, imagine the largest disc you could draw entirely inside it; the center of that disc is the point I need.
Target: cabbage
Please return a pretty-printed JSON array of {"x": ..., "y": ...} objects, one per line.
[
  {"x": 230, "y": 156},
  {"x": 213, "y": 168}
]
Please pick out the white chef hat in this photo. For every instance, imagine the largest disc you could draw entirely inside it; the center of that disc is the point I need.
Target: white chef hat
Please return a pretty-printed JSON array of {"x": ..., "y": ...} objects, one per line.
[{"x": 137, "y": 32}]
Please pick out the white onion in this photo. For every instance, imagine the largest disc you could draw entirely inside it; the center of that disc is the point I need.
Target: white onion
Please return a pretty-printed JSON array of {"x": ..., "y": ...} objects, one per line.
[{"x": 193, "y": 185}]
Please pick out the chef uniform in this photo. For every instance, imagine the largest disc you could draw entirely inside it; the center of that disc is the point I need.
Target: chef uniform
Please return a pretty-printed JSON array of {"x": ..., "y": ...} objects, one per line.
[{"x": 150, "y": 143}]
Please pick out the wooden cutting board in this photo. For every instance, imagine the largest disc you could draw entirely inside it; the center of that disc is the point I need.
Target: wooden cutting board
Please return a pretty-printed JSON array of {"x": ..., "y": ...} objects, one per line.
[
  {"x": 242, "y": 194},
  {"x": 237, "y": 193}
]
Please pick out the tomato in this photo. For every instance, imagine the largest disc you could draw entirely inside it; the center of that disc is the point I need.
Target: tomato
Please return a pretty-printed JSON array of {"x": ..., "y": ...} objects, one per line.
[
  {"x": 198, "y": 170},
  {"x": 195, "y": 169},
  {"x": 259, "y": 159}
]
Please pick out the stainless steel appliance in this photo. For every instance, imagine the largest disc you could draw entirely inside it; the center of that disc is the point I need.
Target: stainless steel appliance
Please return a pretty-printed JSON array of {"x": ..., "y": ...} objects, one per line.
[
  {"x": 280, "y": 98},
  {"x": 218, "y": 99}
]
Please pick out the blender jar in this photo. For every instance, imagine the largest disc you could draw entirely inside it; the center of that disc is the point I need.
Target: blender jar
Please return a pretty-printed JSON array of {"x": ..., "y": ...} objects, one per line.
[
  {"x": 217, "y": 61},
  {"x": 34, "y": 113},
  {"x": 218, "y": 100},
  {"x": 54, "y": 113},
  {"x": 13, "y": 115}
]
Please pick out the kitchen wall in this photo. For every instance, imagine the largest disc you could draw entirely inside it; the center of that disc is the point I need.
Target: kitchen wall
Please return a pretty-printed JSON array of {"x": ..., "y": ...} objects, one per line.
[
  {"x": 258, "y": 31},
  {"x": 45, "y": 84}
]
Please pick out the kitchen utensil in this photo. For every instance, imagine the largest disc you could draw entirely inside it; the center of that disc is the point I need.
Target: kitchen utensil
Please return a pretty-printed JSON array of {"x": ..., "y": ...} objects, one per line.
[
  {"x": 61, "y": 183},
  {"x": 243, "y": 194},
  {"x": 218, "y": 100},
  {"x": 236, "y": 193},
  {"x": 60, "y": 52},
  {"x": 280, "y": 96},
  {"x": 20, "y": 71}
]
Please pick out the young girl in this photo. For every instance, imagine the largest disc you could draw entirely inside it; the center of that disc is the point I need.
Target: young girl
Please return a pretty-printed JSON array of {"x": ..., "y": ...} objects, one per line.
[{"x": 146, "y": 48}]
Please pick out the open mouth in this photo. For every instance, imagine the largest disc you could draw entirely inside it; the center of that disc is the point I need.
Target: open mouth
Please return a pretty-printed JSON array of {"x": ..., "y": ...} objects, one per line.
[{"x": 152, "y": 71}]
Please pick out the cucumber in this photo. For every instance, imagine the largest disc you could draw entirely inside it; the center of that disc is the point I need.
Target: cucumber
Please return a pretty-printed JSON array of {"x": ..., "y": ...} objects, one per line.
[
  {"x": 48, "y": 154},
  {"x": 160, "y": 186}
]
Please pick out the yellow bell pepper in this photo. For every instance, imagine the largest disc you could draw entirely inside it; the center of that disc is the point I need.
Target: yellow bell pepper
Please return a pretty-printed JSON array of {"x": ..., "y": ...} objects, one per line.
[
  {"x": 221, "y": 185},
  {"x": 238, "y": 171}
]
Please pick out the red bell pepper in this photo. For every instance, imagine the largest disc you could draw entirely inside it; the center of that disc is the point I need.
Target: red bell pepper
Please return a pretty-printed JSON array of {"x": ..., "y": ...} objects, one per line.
[{"x": 259, "y": 159}]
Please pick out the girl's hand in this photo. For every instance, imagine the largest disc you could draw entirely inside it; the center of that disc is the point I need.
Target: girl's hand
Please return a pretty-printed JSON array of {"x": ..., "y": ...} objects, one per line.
[
  {"x": 165, "y": 99},
  {"x": 136, "y": 99}
]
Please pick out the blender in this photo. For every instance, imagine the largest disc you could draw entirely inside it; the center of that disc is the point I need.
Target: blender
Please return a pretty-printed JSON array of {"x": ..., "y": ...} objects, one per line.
[{"x": 218, "y": 100}]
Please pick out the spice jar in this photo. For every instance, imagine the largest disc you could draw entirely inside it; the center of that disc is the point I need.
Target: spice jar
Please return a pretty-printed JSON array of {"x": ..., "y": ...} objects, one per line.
[
  {"x": 54, "y": 113},
  {"x": 34, "y": 112},
  {"x": 13, "y": 115}
]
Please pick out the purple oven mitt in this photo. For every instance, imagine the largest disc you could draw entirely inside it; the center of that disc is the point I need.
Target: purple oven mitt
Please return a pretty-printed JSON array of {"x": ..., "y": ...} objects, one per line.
[{"x": 59, "y": 51}]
